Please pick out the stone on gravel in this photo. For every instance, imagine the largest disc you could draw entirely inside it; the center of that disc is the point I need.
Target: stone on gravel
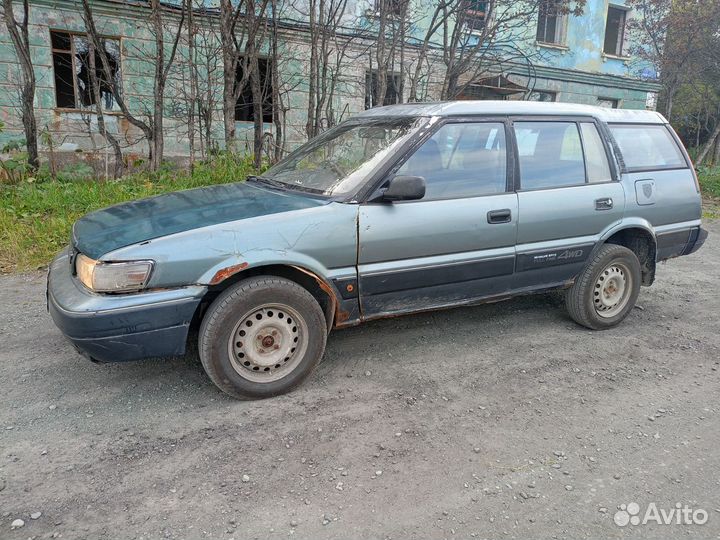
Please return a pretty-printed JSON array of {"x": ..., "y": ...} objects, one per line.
[
  {"x": 17, "y": 524},
  {"x": 35, "y": 515},
  {"x": 245, "y": 478}
]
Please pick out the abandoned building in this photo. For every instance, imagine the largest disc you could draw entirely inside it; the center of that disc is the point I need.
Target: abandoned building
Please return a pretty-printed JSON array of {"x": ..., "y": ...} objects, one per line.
[{"x": 583, "y": 58}]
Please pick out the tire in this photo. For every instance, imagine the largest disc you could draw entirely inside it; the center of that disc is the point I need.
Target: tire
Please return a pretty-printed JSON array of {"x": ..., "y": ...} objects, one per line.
[
  {"x": 606, "y": 290},
  {"x": 262, "y": 337}
]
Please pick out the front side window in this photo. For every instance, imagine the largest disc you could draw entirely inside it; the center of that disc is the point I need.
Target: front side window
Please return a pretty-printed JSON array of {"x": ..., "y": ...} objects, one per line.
[
  {"x": 551, "y": 22},
  {"x": 341, "y": 159},
  {"x": 461, "y": 160},
  {"x": 73, "y": 68},
  {"x": 615, "y": 31},
  {"x": 550, "y": 154},
  {"x": 647, "y": 146}
]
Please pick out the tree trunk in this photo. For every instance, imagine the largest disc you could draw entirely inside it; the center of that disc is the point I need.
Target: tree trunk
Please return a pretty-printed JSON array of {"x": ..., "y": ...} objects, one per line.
[
  {"x": 229, "y": 72},
  {"x": 156, "y": 142},
  {"x": 21, "y": 42},
  {"x": 109, "y": 137},
  {"x": 708, "y": 145},
  {"x": 275, "y": 84},
  {"x": 257, "y": 95},
  {"x": 193, "y": 84},
  {"x": 716, "y": 155}
]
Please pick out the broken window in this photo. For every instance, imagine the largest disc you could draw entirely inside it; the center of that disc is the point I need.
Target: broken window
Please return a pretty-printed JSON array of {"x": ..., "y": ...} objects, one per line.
[
  {"x": 608, "y": 103},
  {"x": 551, "y": 22},
  {"x": 615, "y": 31},
  {"x": 475, "y": 14},
  {"x": 395, "y": 8},
  {"x": 542, "y": 95},
  {"x": 392, "y": 89},
  {"x": 72, "y": 65},
  {"x": 245, "y": 106}
]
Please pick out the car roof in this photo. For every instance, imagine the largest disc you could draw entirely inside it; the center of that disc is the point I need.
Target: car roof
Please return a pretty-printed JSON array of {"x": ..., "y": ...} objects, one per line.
[{"x": 487, "y": 107}]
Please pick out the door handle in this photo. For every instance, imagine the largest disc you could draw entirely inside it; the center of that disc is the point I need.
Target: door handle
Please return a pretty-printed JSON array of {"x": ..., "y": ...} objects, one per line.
[
  {"x": 606, "y": 203},
  {"x": 499, "y": 216}
]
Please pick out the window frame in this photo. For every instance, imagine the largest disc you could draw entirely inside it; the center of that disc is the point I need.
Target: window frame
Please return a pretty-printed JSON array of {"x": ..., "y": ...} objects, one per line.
[
  {"x": 268, "y": 74},
  {"x": 394, "y": 13},
  {"x": 577, "y": 120},
  {"x": 475, "y": 16},
  {"x": 394, "y": 76},
  {"x": 673, "y": 137},
  {"x": 621, "y": 42},
  {"x": 371, "y": 193},
  {"x": 615, "y": 102},
  {"x": 561, "y": 25},
  {"x": 71, "y": 52}
]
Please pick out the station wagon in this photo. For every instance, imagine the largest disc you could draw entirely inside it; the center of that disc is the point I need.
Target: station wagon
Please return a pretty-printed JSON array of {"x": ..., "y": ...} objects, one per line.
[{"x": 400, "y": 209}]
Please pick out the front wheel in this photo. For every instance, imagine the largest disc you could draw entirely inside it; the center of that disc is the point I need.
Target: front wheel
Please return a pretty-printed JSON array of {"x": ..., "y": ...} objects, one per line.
[
  {"x": 606, "y": 290},
  {"x": 262, "y": 337}
]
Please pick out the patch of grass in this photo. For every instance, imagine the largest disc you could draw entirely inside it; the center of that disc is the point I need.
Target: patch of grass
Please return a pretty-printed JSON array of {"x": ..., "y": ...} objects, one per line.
[
  {"x": 36, "y": 218},
  {"x": 710, "y": 181}
]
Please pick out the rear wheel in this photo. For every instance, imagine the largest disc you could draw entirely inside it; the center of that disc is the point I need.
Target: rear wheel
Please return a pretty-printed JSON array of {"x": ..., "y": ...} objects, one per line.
[
  {"x": 262, "y": 337},
  {"x": 606, "y": 290}
]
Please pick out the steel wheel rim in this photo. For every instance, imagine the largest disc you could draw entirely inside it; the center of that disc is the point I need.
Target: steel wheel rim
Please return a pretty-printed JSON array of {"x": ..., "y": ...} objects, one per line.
[
  {"x": 268, "y": 343},
  {"x": 612, "y": 290}
]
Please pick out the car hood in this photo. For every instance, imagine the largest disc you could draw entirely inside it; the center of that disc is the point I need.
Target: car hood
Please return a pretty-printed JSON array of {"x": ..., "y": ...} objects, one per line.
[{"x": 129, "y": 223}]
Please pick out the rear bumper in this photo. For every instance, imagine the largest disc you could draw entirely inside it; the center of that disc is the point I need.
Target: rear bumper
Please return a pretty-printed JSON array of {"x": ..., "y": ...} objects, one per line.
[
  {"x": 116, "y": 328},
  {"x": 681, "y": 242},
  {"x": 696, "y": 241}
]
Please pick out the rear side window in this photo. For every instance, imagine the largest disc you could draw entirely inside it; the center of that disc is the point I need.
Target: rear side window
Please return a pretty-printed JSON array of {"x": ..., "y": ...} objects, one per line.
[
  {"x": 647, "y": 147},
  {"x": 598, "y": 169},
  {"x": 550, "y": 154}
]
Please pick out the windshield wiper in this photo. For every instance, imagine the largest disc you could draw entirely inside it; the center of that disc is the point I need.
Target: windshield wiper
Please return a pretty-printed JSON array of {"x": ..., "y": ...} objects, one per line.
[
  {"x": 268, "y": 181},
  {"x": 285, "y": 186}
]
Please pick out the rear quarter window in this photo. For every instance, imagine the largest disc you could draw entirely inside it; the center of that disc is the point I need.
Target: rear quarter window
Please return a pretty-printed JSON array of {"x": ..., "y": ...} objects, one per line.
[{"x": 647, "y": 147}]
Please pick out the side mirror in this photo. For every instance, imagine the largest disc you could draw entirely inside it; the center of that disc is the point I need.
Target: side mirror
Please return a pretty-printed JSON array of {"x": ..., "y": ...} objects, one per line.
[{"x": 405, "y": 188}]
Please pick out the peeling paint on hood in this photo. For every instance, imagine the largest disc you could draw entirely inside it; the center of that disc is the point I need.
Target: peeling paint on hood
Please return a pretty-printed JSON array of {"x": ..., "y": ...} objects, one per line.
[{"x": 130, "y": 223}]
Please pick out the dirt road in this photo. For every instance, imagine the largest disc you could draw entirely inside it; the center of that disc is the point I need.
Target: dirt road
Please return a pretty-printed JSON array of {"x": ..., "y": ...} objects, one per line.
[{"x": 503, "y": 420}]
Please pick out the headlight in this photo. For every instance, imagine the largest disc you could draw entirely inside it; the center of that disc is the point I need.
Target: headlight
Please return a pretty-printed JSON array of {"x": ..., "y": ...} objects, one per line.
[{"x": 114, "y": 276}]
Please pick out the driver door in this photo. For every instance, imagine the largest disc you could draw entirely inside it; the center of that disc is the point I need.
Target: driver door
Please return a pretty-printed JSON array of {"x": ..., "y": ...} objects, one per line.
[{"x": 457, "y": 243}]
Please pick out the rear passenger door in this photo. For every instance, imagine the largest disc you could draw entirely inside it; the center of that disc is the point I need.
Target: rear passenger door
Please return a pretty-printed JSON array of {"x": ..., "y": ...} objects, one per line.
[{"x": 568, "y": 194}]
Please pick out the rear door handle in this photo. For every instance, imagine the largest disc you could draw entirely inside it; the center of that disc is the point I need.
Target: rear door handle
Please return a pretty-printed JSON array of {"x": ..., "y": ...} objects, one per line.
[
  {"x": 605, "y": 203},
  {"x": 499, "y": 216}
]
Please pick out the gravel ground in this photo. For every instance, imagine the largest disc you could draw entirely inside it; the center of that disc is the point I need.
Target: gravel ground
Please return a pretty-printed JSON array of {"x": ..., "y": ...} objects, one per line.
[{"x": 504, "y": 420}]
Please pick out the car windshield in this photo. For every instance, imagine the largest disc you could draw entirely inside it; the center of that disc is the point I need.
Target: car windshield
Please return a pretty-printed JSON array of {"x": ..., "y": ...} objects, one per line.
[{"x": 339, "y": 160}]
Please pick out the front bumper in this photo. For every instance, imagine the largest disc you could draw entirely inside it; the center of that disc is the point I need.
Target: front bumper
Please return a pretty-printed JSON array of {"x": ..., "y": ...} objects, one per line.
[{"x": 116, "y": 328}]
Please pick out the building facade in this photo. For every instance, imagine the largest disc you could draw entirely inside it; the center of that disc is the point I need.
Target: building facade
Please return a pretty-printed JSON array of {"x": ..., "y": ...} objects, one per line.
[{"x": 557, "y": 56}]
